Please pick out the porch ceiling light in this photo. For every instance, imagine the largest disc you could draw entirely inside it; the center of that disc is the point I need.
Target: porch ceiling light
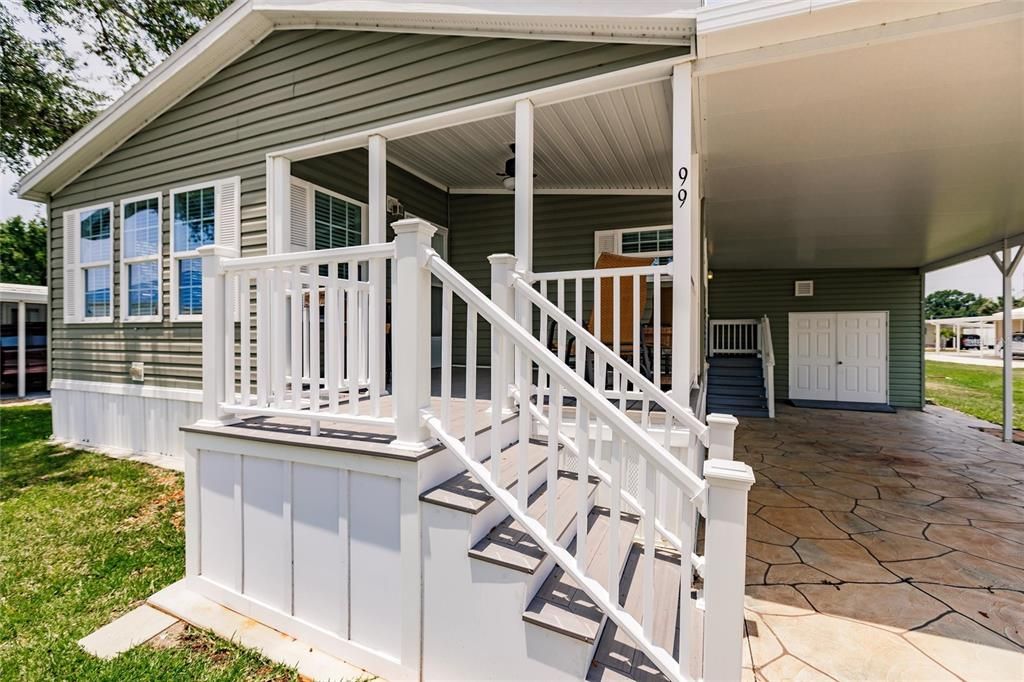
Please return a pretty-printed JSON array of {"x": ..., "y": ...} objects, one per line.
[{"x": 508, "y": 177}]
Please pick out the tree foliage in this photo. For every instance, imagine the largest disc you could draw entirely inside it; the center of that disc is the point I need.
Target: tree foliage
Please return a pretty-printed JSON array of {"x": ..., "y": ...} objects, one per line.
[
  {"x": 23, "y": 245},
  {"x": 44, "y": 99},
  {"x": 956, "y": 303}
]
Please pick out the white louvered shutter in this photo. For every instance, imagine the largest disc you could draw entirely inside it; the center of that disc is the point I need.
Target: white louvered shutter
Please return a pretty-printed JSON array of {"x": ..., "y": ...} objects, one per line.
[
  {"x": 228, "y": 229},
  {"x": 606, "y": 241},
  {"x": 72, "y": 289},
  {"x": 300, "y": 217}
]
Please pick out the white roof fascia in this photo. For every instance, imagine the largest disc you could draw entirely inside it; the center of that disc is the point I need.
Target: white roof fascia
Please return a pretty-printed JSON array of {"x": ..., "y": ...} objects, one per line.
[
  {"x": 22, "y": 293},
  {"x": 246, "y": 22}
]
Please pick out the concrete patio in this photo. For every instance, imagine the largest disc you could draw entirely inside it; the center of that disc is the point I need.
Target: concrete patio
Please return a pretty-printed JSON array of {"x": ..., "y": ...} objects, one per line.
[{"x": 883, "y": 546}]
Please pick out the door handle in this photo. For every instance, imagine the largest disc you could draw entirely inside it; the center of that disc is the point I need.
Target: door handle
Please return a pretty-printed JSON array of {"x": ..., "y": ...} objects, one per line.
[{"x": 839, "y": 362}]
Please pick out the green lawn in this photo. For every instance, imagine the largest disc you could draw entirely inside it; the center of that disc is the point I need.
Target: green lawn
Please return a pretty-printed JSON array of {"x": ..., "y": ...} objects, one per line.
[
  {"x": 84, "y": 539},
  {"x": 974, "y": 390}
]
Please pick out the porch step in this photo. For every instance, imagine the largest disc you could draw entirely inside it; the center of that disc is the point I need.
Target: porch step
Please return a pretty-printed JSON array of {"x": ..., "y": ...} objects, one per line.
[
  {"x": 464, "y": 493},
  {"x": 617, "y": 656},
  {"x": 560, "y": 604},
  {"x": 733, "y": 400},
  {"x": 748, "y": 379},
  {"x": 508, "y": 544},
  {"x": 733, "y": 370},
  {"x": 752, "y": 389},
  {"x": 734, "y": 361}
]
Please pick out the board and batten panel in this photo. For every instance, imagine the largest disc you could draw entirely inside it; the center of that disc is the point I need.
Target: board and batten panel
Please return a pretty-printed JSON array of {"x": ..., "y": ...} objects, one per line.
[
  {"x": 294, "y": 87},
  {"x": 265, "y": 534},
  {"x": 220, "y": 537},
  {"x": 320, "y": 546},
  {"x": 563, "y": 238},
  {"x": 752, "y": 293}
]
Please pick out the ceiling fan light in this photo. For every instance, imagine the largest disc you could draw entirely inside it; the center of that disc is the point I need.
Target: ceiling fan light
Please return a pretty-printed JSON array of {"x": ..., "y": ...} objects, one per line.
[{"x": 509, "y": 182}]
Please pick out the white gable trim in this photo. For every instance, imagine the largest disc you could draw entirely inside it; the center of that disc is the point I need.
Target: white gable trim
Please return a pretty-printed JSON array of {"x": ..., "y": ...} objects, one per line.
[{"x": 246, "y": 22}]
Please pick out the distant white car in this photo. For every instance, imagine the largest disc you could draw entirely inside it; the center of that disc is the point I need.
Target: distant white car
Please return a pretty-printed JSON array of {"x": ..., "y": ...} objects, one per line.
[{"x": 1016, "y": 345}]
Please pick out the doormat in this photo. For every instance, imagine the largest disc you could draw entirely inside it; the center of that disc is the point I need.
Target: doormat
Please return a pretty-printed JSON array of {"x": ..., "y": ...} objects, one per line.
[
  {"x": 841, "y": 405},
  {"x": 1018, "y": 434}
]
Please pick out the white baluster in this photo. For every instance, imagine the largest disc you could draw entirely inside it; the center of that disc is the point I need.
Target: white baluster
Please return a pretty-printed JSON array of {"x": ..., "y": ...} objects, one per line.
[
  {"x": 649, "y": 502},
  {"x": 470, "y": 403},
  {"x": 245, "y": 334},
  {"x": 583, "y": 480},
  {"x": 314, "y": 348},
  {"x": 296, "y": 334}
]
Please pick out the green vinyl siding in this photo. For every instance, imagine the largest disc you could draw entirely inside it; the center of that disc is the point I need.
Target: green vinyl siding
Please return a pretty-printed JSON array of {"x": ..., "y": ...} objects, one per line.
[
  {"x": 294, "y": 87},
  {"x": 752, "y": 293},
  {"x": 563, "y": 237}
]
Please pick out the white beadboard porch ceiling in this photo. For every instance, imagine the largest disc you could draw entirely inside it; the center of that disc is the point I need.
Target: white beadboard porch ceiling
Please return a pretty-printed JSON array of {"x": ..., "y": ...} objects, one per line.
[{"x": 617, "y": 140}]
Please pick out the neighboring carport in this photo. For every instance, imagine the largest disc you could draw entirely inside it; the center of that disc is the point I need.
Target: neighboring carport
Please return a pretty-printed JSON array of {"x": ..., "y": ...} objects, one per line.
[{"x": 881, "y": 143}]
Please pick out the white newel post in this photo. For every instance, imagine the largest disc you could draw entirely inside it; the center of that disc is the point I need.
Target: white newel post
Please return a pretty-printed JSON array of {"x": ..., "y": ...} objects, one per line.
[
  {"x": 721, "y": 435},
  {"x": 725, "y": 554},
  {"x": 502, "y": 359},
  {"x": 683, "y": 195},
  {"x": 22, "y": 345},
  {"x": 410, "y": 332},
  {"x": 215, "y": 327}
]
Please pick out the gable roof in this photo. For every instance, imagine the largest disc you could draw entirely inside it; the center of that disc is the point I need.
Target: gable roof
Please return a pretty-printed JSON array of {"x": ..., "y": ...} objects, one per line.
[{"x": 246, "y": 22}]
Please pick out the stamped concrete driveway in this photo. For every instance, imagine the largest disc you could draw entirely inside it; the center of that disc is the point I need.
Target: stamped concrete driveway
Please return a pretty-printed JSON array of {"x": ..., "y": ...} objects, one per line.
[{"x": 883, "y": 547}]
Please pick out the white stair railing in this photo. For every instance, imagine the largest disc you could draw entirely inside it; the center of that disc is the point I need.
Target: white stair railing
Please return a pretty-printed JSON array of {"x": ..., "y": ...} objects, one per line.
[
  {"x": 768, "y": 363},
  {"x": 734, "y": 337}
]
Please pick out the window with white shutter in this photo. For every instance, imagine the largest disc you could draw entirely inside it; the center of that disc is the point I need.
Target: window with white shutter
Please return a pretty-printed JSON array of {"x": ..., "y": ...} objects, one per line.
[
  {"x": 89, "y": 264},
  {"x": 141, "y": 246},
  {"x": 201, "y": 214}
]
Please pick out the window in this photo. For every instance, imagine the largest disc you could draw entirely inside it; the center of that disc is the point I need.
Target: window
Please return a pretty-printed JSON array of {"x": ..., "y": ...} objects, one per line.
[
  {"x": 201, "y": 215},
  {"x": 88, "y": 264},
  {"x": 336, "y": 222},
  {"x": 141, "y": 219},
  {"x": 656, "y": 241}
]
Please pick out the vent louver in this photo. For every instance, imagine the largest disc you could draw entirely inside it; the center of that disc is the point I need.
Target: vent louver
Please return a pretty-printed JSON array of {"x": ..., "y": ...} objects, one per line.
[{"x": 804, "y": 287}]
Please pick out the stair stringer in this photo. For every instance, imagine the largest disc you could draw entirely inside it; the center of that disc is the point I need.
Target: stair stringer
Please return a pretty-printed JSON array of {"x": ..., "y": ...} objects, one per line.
[{"x": 473, "y": 627}]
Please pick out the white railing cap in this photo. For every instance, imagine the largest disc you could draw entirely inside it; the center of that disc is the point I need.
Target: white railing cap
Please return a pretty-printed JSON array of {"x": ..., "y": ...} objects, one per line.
[
  {"x": 502, "y": 259},
  {"x": 217, "y": 250},
  {"x": 407, "y": 225},
  {"x": 728, "y": 473}
]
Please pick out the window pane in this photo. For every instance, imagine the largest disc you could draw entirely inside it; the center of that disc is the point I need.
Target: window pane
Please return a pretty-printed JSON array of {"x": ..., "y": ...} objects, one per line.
[
  {"x": 190, "y": 286},
  {"x": 336, "y": 222},
  {"x": 141, "y": 229},
  {"x": 143, "y": 289},
  {"x": 193, "y": 219},
  {"x": 95, "y": 232},
  {"x": 97, "y": 292}
]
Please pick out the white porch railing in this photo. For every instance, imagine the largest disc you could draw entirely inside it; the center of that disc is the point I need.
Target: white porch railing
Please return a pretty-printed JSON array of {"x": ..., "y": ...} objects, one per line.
[
  {"x": 768, "y": 363},
  {"x": 734, "y": 337},
  {"x": 623, "y": 306},
  {"x": 308, "y": 336},
  {"x": 538, "y": 386}
]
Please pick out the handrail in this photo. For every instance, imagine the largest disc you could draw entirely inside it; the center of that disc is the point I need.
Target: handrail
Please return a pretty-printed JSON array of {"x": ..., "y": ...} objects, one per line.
[
  {"x": 663, "y": 270},
  {"x": 318, "y": 257},
  {"x": 690, "y": 482},
  {"x": 768, "y": 364},
  {"x": 681, "y": 413}
]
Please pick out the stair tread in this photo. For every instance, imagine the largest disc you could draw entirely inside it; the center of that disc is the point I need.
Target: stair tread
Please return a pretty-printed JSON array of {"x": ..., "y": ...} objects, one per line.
[
  {"x": 737, "y": 400},
  {"x": 617, "y": 656},
  {"x": 560, "y": 604},
  {"x": 464, "y": 493},
  {"x": 508, "y": 543}
]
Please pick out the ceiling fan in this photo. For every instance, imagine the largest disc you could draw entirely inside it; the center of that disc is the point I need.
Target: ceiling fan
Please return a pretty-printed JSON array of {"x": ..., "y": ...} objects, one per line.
[{"x": 509, "y": 176}]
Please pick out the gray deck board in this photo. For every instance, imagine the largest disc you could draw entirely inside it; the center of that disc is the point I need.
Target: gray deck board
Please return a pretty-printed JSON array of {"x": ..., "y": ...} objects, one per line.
[{"x": 464, "y": 492}]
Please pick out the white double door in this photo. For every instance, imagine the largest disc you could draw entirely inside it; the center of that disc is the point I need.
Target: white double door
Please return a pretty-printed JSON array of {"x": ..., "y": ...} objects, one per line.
[{"x": 839, "y": 356}]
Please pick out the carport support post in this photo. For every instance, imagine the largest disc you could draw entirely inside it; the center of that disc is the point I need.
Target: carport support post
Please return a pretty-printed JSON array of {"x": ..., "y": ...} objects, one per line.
[
  {"x": 684, "y": 193},
  {"x": 1007, "y": 265},
  {"x": 22, "y": 341},
  {"x": 377, "y": 234}
]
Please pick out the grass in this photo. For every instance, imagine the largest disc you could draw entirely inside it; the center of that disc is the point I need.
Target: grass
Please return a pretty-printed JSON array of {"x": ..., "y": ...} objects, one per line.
[
  {"x": 83, "y": 539},
  {"x": 974, "y": 390}
]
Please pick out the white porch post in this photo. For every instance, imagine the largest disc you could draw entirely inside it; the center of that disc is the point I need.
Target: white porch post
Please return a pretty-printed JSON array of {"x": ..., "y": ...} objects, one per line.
[
  {"x": 410, "y": 347},
  {"x": 377, "y": 234},
  {"x": 1007, "y": 265},
  {"x": 524, "y": 185},
  {"x": 938, "y": 337},
  {"x": 683, "y": 194},
  {"x": 216, "y": 318},
  {"x": 279, "y": 173},
  {"x": 22, "y": 341}
]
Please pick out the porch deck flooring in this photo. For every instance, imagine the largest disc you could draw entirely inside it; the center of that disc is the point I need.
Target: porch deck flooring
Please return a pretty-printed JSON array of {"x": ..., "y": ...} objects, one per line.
[{"x": 882, "y": 546}]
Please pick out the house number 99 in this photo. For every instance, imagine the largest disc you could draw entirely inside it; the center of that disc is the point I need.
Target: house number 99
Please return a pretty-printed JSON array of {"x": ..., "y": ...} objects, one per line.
[{"x": 684, "y": 173}]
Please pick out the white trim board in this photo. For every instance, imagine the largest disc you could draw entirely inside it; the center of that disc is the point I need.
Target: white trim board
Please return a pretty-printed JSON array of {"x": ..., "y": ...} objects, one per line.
[{"x": 140, "y": 391}]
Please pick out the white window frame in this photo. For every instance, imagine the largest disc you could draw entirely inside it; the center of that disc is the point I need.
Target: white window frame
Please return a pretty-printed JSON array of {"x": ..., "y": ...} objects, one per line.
[
  {"x": 80, "y": 266},
  {"x": 617, "y": 233},
  {"x": 313, "y": 188},
  {"x": 218, "y": 236},
  {"x": 126, "y": 316}
]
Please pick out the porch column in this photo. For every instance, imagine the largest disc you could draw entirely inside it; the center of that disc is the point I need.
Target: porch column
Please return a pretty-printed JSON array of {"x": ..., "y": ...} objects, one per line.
[
  {"x": 683, "y": 195},
  {"x": 279, "y": 173},
  {"x": 938, "y": 337},
  {"x": 22, "y": 341},
  {"x": 524, "y": 186},
  {"x": 1007, "y": 265},
  {"x": 377, "y": 234}
]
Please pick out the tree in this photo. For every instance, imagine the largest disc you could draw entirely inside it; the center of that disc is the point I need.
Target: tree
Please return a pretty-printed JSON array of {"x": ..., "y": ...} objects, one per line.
[
  {"x": 23, "y": 245},
  {"x": 44, "y": 101},
  {"x": 954, "y": 303}
]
